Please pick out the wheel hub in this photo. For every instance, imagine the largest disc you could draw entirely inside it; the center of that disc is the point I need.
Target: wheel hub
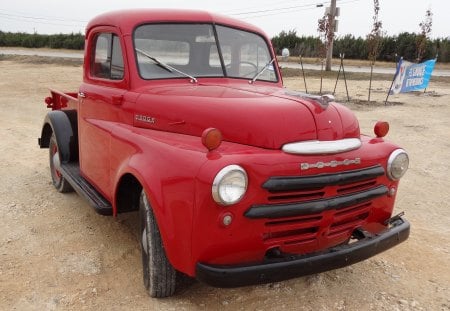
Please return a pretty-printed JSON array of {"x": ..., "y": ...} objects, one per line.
[
  {"x": 144, "y": 241},
  {"x": 56, "y": 161}
]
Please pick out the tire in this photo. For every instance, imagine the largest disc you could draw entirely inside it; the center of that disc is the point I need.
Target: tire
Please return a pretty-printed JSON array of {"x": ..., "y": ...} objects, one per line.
[
  {"x": 159, "y": 275},
  {"x": 58, "y": 180}
]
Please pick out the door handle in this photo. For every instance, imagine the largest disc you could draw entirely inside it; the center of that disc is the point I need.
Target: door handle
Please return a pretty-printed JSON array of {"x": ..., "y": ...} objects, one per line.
[{"x": 81, "y": 94}]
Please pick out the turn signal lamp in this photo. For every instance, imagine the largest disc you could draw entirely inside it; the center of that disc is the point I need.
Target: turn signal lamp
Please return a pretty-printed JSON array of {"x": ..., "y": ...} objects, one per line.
[
  {"x": 381, "y": 128},
  {"x": 211, "y": 138}
]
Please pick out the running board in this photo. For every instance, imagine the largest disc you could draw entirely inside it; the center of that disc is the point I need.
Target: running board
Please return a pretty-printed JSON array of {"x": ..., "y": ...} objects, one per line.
[{"x": 71, "y": 172}]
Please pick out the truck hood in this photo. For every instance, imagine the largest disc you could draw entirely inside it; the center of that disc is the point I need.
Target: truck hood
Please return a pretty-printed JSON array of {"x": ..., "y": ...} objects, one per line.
[{"x": 261, "y": 116}]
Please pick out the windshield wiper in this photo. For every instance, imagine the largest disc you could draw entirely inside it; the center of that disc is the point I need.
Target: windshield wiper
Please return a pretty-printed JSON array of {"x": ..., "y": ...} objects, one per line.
[
  {"x": 261, "y": 71},
  {"x": 166, "y": 66}
]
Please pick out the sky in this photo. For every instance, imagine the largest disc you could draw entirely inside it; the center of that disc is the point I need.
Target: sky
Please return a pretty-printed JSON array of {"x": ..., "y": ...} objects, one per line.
[{"x": 60, "y": 16}]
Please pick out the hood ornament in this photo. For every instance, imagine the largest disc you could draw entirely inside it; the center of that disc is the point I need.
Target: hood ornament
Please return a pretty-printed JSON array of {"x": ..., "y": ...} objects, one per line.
[{"x": 323, "y": 100}]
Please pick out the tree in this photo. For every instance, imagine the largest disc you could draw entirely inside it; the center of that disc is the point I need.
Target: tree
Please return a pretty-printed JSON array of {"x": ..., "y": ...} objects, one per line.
[
  {"x": 423, "y": 37},
  {"x": 285, "y": 40},
  {"x": 325, "y": 38},
  {"x": 374, "y": 40},
  {"x": 326, "y": 33}
]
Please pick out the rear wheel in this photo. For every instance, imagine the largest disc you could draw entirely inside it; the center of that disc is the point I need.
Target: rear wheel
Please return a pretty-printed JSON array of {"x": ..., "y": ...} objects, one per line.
[
  {"x": 159, "y": 275},
  {"x": 58, "y": 179}
]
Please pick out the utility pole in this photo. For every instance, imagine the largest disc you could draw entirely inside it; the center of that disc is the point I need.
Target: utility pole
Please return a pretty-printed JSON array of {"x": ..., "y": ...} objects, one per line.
[{"x": 331, "y": 23}]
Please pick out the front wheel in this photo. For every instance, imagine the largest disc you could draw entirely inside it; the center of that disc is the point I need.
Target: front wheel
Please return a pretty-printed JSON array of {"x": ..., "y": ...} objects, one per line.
[
  {"x": 159, "y": 275},
  {"x": 58, "y": 179}
]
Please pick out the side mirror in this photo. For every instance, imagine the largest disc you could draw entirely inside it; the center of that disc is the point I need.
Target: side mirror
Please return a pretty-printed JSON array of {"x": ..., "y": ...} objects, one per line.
[{"x": 285, "y": 54}]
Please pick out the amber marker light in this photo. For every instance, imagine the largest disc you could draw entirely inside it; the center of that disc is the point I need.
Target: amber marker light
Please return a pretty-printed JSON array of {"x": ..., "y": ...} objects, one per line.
[
  {"x": 381, "y": 128},
  {"x": 211, "y": 138}
]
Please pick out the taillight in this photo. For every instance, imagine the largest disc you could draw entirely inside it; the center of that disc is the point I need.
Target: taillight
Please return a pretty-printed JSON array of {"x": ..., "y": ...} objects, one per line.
[{"x": 49, "y": 101}]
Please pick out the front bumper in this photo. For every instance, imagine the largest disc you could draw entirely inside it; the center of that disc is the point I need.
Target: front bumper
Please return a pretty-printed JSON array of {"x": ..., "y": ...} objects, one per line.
[{"x": 274, "y": 270}]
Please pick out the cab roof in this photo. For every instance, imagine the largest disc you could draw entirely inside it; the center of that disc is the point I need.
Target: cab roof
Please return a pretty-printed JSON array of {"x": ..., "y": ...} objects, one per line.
[{"x": 127, "y": 20}]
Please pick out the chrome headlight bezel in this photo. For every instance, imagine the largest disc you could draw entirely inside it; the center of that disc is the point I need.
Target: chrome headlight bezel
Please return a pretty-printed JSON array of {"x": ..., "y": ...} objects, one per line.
[
  {"x": 224, "y": 179},
  {"x": 398, "y": 159}
]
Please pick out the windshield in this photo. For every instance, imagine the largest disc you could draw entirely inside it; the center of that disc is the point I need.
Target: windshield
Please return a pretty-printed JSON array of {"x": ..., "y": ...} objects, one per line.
[{"x": 191, "y": 50}]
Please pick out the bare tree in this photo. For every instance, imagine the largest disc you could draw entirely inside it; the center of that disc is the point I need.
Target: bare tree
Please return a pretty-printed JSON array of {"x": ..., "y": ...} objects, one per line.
[
  {"x": 325, "y": 36},
  {"x": 374, "y": 40},
  {"x": 424, "y": 35},
  {"x": 326, "y": 33}
]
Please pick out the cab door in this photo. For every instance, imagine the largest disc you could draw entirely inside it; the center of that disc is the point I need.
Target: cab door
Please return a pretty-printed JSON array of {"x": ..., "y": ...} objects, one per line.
[{"x": 101, "y": 97}]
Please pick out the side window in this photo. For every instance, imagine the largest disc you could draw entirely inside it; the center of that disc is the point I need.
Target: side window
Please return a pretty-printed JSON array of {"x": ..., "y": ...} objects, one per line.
[
  {"x": 108, "y": 60},
  {"x": 116, "y": 59},
  {"x": 100, "y": 66}
]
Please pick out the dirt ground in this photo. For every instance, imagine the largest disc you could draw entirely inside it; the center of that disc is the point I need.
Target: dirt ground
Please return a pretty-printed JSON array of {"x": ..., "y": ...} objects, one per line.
[{"x": 56, "y": 253}]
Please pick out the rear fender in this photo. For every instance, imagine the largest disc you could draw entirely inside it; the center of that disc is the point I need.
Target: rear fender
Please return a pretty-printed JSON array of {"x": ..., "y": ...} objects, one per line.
[{"x": 64, "y": 124}]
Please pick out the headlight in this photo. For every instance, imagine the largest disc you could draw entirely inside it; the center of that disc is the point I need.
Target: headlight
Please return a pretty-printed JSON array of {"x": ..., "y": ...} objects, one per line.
[
  {"x": 397, "y": 164},
  {"x": 229, "y": 185}
]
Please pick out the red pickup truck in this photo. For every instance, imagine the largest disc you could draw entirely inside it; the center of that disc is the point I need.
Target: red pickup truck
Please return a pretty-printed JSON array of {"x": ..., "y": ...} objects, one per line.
[{"x": 183, "y": 117}]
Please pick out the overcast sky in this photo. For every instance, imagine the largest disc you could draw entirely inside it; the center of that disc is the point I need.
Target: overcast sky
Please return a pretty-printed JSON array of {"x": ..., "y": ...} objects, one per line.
[{"x": 62, "y": 16}]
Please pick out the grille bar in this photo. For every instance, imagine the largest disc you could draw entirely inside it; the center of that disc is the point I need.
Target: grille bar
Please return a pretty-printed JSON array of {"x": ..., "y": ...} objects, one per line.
[
  {"x": 279, "y": 184},
  {"x": 315, "y": 206}
]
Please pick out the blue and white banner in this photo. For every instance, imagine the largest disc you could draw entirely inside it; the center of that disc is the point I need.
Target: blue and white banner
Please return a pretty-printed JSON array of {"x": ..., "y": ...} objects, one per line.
[{"x": 412, "y": 77}]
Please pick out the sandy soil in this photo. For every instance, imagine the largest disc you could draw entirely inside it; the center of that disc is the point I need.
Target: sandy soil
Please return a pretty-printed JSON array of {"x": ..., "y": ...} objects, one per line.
[{"x": 56, "y": 253}]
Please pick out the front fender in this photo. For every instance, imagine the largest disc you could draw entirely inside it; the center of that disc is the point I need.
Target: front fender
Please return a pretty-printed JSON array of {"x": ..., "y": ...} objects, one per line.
[{"x": 167, "y": 172}]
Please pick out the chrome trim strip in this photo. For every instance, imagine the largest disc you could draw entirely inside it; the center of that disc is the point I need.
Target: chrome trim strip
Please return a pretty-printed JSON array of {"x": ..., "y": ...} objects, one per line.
[{"x": 322, "y": 147}]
